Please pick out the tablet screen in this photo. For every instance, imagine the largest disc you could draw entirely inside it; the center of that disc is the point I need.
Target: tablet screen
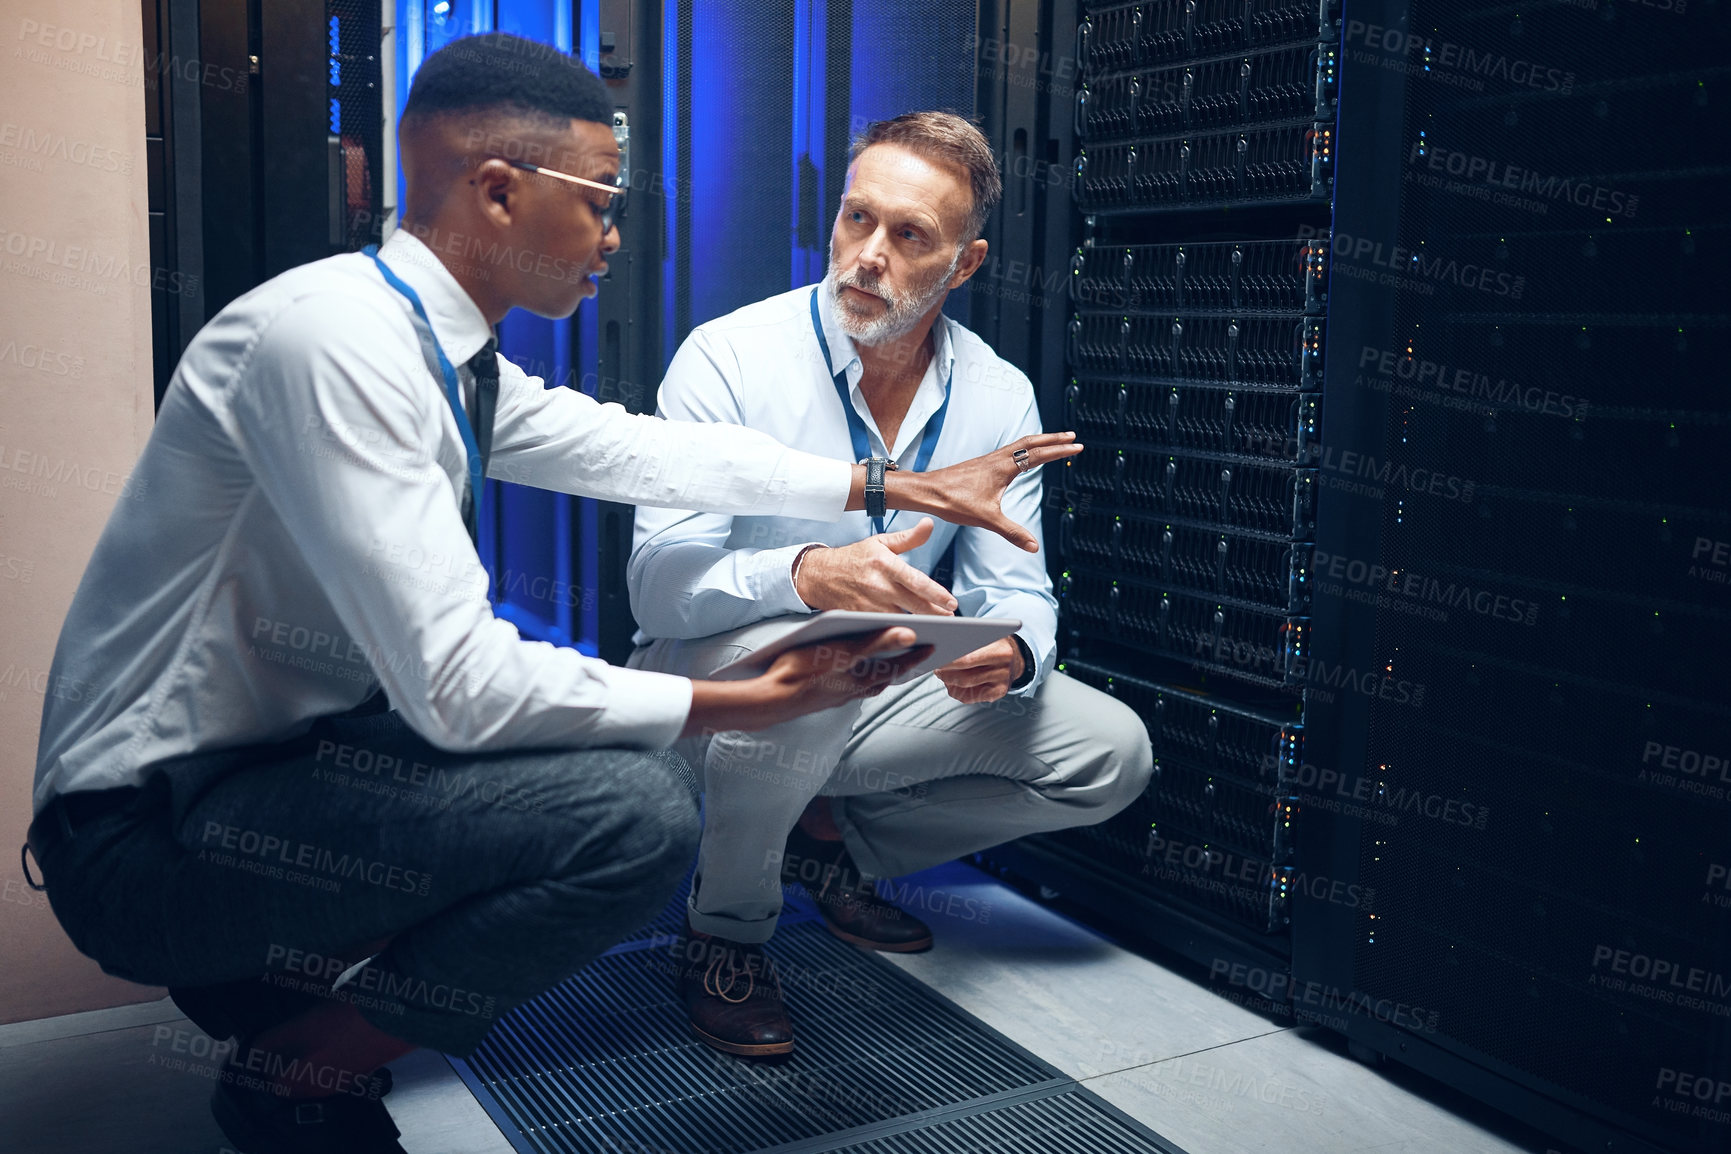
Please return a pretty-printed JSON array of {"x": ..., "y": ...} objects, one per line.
[{"x": 950, "y": 638}]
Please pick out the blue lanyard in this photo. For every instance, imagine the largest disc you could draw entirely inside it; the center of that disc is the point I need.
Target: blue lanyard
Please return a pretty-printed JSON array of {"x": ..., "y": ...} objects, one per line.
[
  {"x": 856, "y": 429},
  {"x": 441, "y": 365}
]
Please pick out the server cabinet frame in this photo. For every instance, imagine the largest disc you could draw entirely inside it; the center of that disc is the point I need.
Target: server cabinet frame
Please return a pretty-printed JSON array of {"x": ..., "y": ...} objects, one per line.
[{"x": 626, "y": 344}]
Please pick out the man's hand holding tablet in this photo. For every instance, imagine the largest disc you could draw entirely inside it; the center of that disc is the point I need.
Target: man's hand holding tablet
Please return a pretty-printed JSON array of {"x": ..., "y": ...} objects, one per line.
[
  {"x": 870, "y": 575},
  {"x": 840, "y": 631},
  {"x": 805, "y": 678}
]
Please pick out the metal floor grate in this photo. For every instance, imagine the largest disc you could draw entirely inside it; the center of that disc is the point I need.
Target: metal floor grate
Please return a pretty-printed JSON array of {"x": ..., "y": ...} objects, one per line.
[
  {"x": 605, "y": 1063},
  {"x": 1072, "y": 1121}
]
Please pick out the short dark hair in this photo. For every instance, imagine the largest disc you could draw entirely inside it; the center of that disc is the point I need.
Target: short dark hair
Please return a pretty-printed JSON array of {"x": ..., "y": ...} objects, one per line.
[
  {"x": 499, "y": 72},
  {"x": 948, "y": 139}
]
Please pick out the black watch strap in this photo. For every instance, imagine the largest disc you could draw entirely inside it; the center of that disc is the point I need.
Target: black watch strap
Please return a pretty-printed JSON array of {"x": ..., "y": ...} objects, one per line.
[
  {"x": 1028, "y": 669},
  {"x": 876, "y": 467}
]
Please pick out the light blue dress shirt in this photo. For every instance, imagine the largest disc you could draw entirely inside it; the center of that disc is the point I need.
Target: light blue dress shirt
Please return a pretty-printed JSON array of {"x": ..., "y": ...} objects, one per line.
[{"x": 697, "y": 574}]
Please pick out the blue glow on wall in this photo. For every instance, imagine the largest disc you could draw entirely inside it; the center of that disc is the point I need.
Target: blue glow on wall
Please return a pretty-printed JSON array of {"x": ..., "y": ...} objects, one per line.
[
  {"x": 936, "y": 50},
  {"x": 810, "y": 103},
  {"x": 741, "y": 125},
  {"x": 589, "y": 26},
  {"x": 447, "y": 20},
  {"x": 531, "y": 21},
  {"x": 747, "y": 111},
  {"x": 932, "y": 50}
]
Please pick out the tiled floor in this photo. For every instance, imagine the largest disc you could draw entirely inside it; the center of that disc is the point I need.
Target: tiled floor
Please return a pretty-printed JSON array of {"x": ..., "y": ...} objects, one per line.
[{"x": 1207, "y": 1074}]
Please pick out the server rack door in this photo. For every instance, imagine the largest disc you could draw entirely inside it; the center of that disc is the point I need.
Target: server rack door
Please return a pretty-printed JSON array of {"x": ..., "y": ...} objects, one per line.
[
  {"x": 1495, "y": 607},
  {"x": 1539, "y": 380},
  {"x": 1494, "y": 232},
  {"x": 264, "y": 137},
  {"x": 1196, "y": 157}
]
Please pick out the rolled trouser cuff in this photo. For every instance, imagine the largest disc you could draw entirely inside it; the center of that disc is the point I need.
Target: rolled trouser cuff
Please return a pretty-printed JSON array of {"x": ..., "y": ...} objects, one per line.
[{"x": 756, "y": 931}]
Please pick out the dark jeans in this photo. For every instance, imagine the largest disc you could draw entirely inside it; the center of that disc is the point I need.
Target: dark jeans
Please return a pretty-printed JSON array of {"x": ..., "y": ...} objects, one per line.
[{"x": 498, "y": 874}]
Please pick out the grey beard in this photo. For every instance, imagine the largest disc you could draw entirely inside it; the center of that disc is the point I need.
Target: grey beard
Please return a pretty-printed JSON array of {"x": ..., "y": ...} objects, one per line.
[{"x": 900, "y": 315}]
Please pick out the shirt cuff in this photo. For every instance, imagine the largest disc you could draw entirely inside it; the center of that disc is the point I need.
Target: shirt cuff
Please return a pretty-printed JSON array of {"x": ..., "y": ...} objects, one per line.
[
  {"x": 644, "y": 710},
  {"x": 777, "y": 595},
  {"x": 1038, "y": 633},
  {"x": 817, "y": 487}
]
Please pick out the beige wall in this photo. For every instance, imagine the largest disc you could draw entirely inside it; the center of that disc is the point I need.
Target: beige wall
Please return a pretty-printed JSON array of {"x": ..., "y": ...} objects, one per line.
[{"x": 75, "y": 400}]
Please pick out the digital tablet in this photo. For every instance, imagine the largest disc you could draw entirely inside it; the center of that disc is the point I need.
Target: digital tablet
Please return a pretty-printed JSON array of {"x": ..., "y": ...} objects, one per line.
[{"x": 949, "y": 637}]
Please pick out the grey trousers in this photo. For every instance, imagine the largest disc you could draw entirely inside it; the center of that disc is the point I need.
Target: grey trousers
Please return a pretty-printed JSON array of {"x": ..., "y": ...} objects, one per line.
[
  {"x": 916, "y": 777},
  {"x": 496, "y": 875}
]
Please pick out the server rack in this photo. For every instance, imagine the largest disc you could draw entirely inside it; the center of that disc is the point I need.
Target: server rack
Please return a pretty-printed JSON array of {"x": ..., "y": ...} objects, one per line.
[
  {"x": 265, "y": 147},
  {"x": 1392, "y": 333},
  {"x": 1192, "y": 354},
  {"x": 1542, "y": 193}
]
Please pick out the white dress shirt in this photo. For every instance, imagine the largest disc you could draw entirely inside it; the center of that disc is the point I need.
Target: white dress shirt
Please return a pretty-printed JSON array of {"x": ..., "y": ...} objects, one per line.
[
  {"x": 697, "y": 574},
  {"x": 296, "y": 539}
]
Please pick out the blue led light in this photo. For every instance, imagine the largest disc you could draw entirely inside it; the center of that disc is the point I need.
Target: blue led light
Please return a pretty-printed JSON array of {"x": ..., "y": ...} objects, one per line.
[{"x": 335, "y": 42}]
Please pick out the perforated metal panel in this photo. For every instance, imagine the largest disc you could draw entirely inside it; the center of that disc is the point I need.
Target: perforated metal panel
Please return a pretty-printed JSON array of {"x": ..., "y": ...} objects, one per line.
[
  {"x": 605, "y": 1062},
  {"x": 1514, "y": 801},
  {"x": 1213, "y": 830},
  {"x": 355, "y": 88}
]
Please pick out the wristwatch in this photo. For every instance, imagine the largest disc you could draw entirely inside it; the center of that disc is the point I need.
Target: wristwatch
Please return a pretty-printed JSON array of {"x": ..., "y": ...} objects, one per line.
[{"x": 874, "y": 486}]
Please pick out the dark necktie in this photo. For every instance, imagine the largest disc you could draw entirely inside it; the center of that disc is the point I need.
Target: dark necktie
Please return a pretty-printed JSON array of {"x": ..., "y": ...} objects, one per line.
[{"x": 484, "y": 367}]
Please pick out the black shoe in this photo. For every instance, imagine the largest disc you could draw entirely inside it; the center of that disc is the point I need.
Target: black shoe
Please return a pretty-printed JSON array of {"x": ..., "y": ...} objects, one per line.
[
  {"x": 258, "y": 1121},
  {"x": 733, "y": 996},
  {"x": 849, "y": 903}
]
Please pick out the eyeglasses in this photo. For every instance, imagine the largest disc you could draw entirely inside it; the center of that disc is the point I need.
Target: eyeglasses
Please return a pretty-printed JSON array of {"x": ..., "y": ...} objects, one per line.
[{"x": 615, "y": 191}]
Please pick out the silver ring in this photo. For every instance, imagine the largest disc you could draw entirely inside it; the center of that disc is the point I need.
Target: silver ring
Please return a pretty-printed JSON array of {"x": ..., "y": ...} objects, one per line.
[{"x": 1022, "y": 462}]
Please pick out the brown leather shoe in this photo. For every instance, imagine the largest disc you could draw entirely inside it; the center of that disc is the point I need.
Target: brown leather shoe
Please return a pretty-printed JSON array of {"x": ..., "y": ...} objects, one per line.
[
  {"x": 733, "y": 996},
  {"x": 850, "y": 905}
]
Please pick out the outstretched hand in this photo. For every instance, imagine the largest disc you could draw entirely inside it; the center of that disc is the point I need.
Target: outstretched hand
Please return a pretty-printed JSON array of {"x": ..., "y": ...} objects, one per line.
[{"x": 972, "y": 492}]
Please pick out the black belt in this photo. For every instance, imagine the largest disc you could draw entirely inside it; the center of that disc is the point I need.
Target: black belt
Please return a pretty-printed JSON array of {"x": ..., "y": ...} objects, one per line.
[
  {"x": 65, "y": 814},
  {"x": 84, "y": 806}
]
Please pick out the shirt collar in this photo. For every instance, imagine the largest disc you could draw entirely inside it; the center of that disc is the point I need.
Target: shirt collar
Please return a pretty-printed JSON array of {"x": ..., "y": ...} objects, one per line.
[
  {"x": 933, "y": 388},
  {"x": 457, "y": 322},
  {"x": 843, "y": 354}
]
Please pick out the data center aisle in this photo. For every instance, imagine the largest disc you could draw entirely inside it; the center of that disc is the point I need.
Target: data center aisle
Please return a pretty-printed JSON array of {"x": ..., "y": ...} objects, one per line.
[{"x": 1208, "y": 1075}]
